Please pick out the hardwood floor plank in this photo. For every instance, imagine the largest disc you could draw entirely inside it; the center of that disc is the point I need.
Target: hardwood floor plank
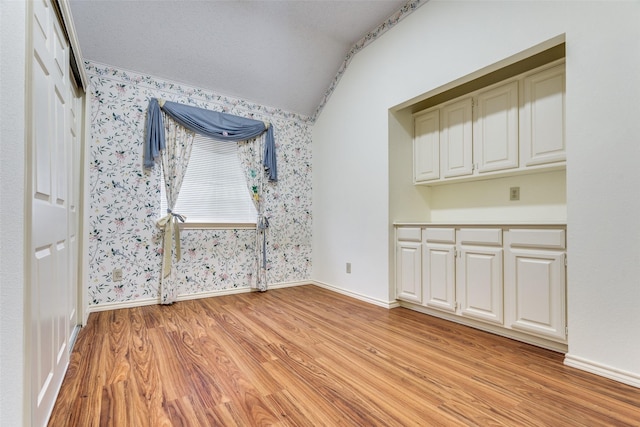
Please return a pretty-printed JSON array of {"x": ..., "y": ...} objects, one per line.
[
  {"x": 145, "y": 373},
  {"x": 312, "y": 400},
  {"x": 174, "y": 375},
  {"x": 305, "y": 356},
  {"x": 291, "y": 411}
]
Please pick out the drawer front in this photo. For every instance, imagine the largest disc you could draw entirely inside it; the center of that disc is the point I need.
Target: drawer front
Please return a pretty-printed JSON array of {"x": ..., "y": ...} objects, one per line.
[
  {"x": 480, "y": 236},
  {"x": 441, "y": 235},
  {"x": 538, "y": 238},
  {"x": 409, "y": 234}
]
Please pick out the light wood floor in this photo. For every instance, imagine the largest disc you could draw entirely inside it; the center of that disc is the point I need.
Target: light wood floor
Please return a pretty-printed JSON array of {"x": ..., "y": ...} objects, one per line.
[{"x": 305, "y": 356}]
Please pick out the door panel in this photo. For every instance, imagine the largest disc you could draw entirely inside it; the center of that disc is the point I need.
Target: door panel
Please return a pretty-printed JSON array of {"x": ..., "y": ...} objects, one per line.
[
  {"x": 542, "y": 125},
  {"x": 440, "y": 276},
  {"x": 495, "y": 136},
  {"x": 61, "y": 142},
  {"x": 408, "y": 274},
  {"x": 426, "y": 147},
  {"x": 41, "y": 120},
  {"x": 456, "y": 149},
  {"x": 538, "y": 279},
  {"x": 480, "y": 281}
]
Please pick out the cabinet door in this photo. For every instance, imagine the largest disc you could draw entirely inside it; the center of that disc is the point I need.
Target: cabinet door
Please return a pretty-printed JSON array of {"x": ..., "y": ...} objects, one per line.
[
  {"x": 439, "y": 276},
  {"x": 538, "y": 294},
  {"x": 542, "y": 122},
  {"x": 426, "y": 146},
  {"x": 409, "y": 271},
  {"x": 495, "y": 136},
  {"x": 456, "y": 139},
  {"x": 479, "y": 282},
  {"x": 535, "y": 282}
]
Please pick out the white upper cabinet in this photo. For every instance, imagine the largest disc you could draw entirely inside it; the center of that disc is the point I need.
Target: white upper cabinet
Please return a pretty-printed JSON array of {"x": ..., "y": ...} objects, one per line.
[
  {"x": 542, "y": 135},
  {"x": 456, "y": 144},
  {"x": 495, "y": 135},
  {"x": 426, "y": 146},
  {"x": 516, "y": 126}
]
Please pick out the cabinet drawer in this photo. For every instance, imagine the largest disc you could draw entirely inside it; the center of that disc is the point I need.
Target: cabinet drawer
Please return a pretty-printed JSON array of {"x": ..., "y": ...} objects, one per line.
[
  {"x": 441, "y": 235},
  {"x": 534, "y": 238},
  {"x": 409, "y": 234},
  {"x": 480, "y": 236}
]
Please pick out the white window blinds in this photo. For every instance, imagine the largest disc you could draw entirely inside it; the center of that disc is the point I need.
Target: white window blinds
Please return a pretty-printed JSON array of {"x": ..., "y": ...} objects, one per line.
[{"x": 214, "y": 189}]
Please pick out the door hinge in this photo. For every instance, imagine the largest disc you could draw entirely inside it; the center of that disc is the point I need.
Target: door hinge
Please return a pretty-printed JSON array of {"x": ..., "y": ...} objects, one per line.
[
  {"x": 566, "y": 331},
  {"x": 565, "y": 260}
]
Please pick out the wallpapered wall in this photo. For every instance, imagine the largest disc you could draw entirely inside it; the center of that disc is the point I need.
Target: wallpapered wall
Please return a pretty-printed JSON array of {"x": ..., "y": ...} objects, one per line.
[{"x": 124, "y": 199}]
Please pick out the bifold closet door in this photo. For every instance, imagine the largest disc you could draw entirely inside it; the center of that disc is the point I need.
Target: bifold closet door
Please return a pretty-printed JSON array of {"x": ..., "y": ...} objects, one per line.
[{"x": 51, "y": 286}]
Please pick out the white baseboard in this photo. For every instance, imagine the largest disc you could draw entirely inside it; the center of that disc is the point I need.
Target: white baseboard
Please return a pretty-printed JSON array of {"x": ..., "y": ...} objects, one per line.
[
  {"x": 487, "y": 327},
  {"x": 290, "y": 284},
  {"x": 602, "y": 370},
  {"x": 374, "y": 301},
  {"x": 217, "y": 293},
  {"x": 117, "y": 305}
]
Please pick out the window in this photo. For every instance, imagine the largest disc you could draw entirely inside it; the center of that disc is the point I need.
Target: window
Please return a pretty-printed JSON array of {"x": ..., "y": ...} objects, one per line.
[{"x": 214, "y": 190}]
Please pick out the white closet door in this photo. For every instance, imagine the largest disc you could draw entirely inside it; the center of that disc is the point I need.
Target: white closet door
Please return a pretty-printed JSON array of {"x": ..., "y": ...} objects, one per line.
[
  {"x": 76, "y": 113},
  {"x": 50, "y": 249}
]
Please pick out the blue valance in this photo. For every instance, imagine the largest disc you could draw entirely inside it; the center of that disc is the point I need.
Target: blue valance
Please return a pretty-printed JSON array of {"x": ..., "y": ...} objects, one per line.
[{"x": 220, "y": 126}]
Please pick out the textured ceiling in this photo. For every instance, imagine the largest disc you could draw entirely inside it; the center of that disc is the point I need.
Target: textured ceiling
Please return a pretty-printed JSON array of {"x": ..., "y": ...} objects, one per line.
[{"x": 277, "y": 53}]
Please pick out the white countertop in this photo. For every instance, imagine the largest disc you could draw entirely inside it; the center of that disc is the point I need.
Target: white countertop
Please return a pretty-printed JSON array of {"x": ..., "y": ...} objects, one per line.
[{"x": 480, "y": 223}]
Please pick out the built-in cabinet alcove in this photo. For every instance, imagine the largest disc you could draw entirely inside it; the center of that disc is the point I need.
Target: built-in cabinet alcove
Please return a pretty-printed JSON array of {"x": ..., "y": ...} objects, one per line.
[{"x": 477, "y": 199}]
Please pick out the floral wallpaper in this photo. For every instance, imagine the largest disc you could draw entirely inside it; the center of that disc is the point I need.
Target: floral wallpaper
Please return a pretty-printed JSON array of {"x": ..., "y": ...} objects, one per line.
[{"x": 124, "y": 199}]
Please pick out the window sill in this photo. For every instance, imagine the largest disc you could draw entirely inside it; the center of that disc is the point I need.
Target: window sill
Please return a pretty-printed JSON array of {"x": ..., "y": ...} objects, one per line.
[{"x": 217, "y": 225}]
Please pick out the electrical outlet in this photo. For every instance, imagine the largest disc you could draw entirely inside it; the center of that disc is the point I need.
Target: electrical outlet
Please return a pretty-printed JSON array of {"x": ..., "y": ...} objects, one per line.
[
  {"x": 349, "y": 268},
  {"x": 514, "y": 193},
  {"x": 116, "y": 275}
]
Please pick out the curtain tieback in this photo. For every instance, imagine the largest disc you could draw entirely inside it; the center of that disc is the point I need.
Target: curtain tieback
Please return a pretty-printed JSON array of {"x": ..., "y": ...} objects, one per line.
[
  {"x": 263, "y": 224},
  {"x": 169, "y": 224}
]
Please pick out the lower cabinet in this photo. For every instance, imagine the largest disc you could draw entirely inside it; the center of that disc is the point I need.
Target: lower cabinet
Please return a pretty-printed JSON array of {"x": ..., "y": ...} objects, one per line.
[
  {"x": 479, "y": 270},
  {"x": 535, "y": 285},
  {"x": 408, "y": 264},
  {"x": 512, "y": 278},
  {"x": 439, "y": 276}
]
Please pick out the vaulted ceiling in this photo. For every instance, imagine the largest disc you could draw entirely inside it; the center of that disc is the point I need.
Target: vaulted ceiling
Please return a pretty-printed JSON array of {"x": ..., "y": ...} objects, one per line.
[{"x": 278, "y": 53}]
